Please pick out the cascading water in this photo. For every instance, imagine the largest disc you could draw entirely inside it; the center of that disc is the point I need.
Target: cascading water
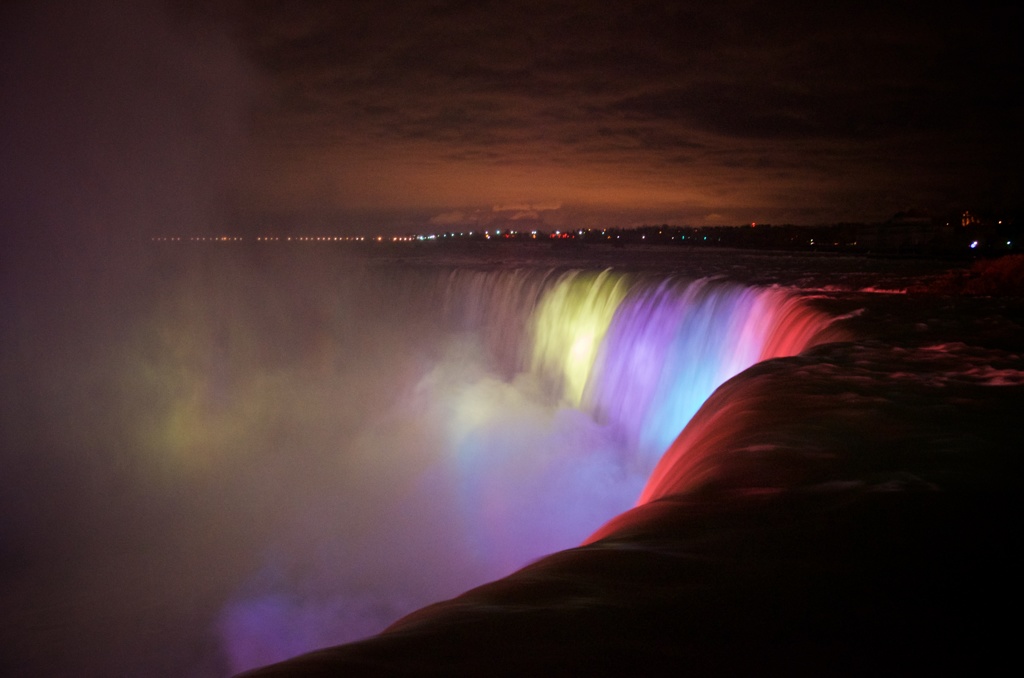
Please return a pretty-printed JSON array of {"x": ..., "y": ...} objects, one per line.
[
  {"x": 544, "y": 399},
  {"x": 789, "y": 505},
  {"x": 639, "y": 354},
  {"x": 394, "y": 435}
]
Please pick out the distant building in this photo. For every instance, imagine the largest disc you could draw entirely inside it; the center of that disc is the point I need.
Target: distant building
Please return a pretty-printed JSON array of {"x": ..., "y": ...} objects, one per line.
[{"x": 968, "y": 219}]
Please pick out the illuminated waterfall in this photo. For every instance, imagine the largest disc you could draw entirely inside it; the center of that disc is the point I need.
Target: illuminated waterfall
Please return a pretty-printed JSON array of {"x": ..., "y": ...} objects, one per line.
[
  {"x": 569, "y": 327},
  {"x": 531, "y": 406},
  {"x": 639, "y": 354}
]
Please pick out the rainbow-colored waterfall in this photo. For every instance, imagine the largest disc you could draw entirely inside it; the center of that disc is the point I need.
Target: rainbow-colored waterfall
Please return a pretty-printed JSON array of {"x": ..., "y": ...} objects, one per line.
[
  {"x": 639, "y": 354},
  {"x": 531, "y": 406}
]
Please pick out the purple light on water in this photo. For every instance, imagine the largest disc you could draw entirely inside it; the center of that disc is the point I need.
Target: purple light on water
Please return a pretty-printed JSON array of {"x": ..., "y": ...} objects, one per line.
[{"x": 670, "y": 346}]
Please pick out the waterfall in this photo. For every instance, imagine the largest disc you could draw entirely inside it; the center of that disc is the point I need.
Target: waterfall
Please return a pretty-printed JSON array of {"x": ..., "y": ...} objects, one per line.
[{"x": 638, "y": 353}]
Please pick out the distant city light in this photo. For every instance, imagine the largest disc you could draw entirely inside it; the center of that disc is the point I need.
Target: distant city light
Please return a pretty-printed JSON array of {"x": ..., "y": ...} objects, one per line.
[{"x": 787, "y": 236}]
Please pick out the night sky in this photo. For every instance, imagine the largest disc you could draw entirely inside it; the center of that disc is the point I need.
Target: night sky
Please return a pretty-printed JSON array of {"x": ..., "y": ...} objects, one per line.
[{"x": 362, "y": 117}]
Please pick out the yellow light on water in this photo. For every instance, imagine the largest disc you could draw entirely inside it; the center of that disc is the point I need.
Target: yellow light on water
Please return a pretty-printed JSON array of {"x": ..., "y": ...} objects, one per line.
[{"x": 569, "y": 324}]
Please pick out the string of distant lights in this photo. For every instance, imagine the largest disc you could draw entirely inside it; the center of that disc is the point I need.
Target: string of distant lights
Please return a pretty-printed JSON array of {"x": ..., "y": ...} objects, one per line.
[
  {"x": 486, "y": 235},
  {"x": 785, "y": 236}
]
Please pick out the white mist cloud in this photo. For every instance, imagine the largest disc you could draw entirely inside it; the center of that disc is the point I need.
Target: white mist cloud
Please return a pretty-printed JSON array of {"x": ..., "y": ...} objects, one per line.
[
  {"x": 528, "y": 207},
  {"x": 124, "y": 120},
  {"x": 526, "y": 211},
  {"x": 449, "y": 218},
  {"x": 465, "y": 478}
]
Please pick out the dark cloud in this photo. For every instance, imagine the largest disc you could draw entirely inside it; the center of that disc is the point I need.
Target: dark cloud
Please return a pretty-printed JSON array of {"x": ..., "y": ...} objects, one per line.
[
  {"x": 443, "y": 106},
  {"x": 622, "y": 91}
]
